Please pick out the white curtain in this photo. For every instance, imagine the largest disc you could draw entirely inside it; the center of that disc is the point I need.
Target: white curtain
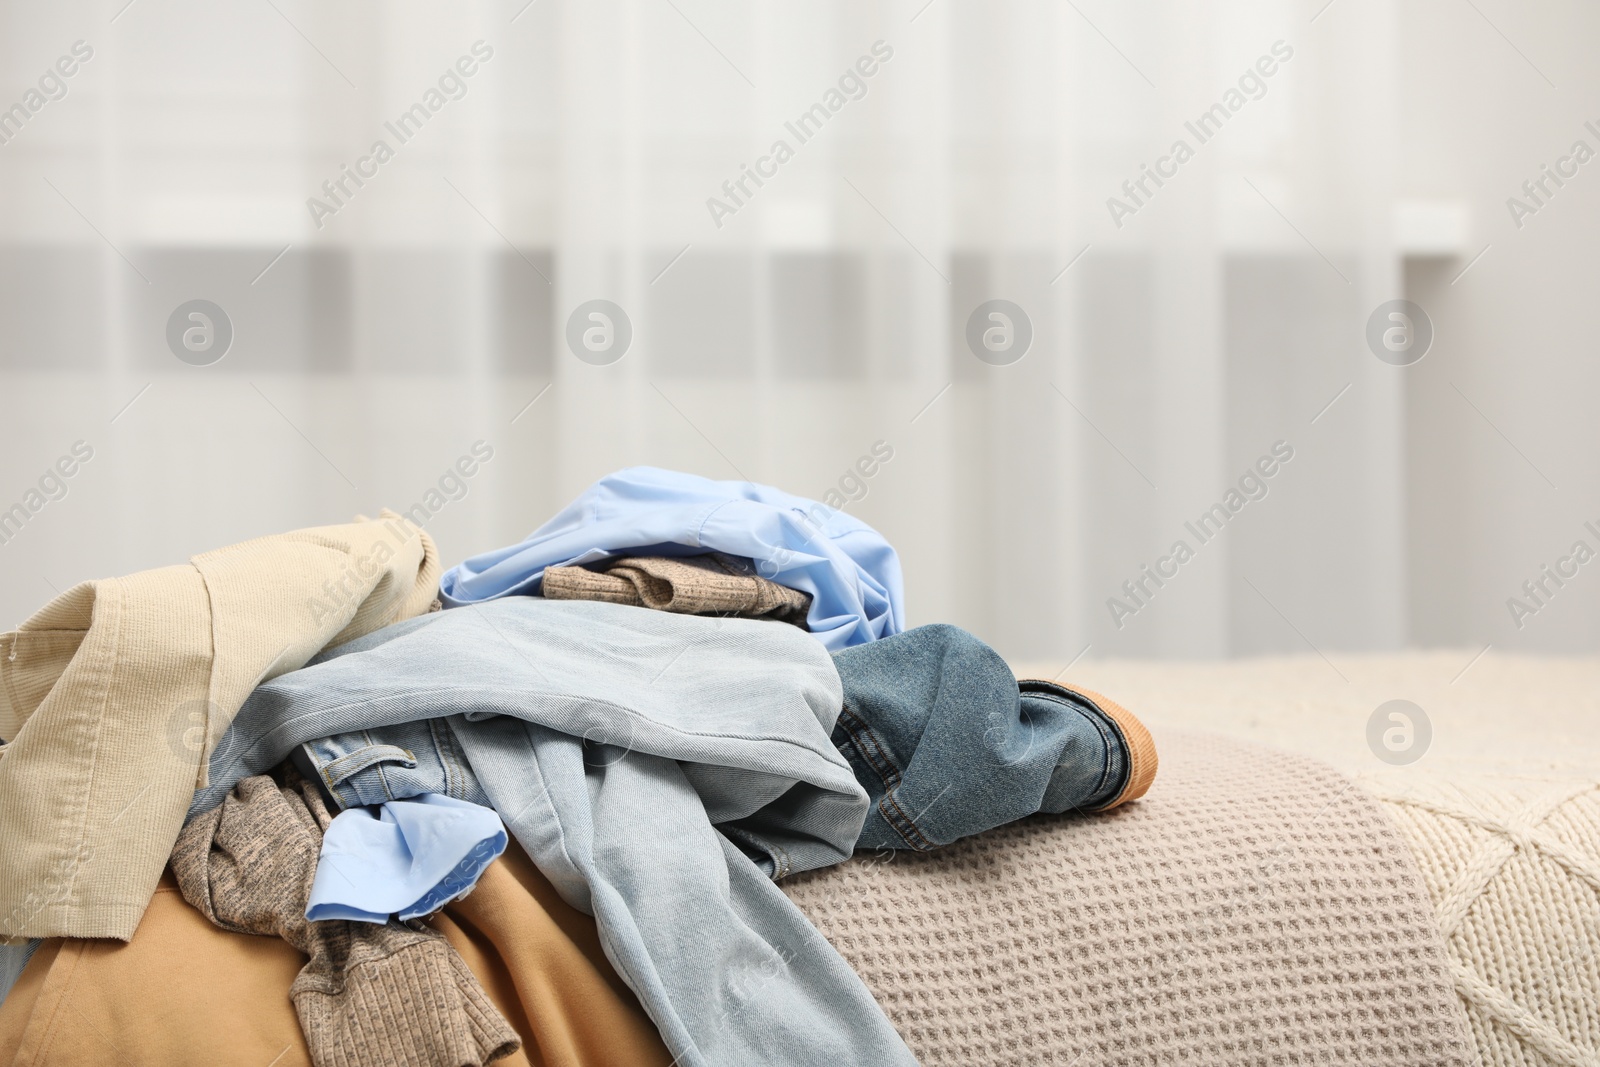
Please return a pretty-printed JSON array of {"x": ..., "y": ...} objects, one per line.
[{"x": 1176, "y": 340}]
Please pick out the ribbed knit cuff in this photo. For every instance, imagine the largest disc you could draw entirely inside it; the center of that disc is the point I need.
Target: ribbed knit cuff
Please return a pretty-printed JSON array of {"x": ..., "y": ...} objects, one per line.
[{"x": 418, "y": 1006}]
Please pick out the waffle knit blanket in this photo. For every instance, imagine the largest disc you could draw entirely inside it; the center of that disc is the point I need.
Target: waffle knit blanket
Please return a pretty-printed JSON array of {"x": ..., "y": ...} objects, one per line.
[{"x": 1254, "y": 908}]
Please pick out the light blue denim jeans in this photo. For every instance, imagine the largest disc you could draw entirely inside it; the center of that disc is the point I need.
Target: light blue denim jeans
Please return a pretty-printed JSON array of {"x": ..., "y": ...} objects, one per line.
[
  {"x": 13, "y": 960},
  {"x": 937, "y": 730},
  {"x": 658, "y": 768}
]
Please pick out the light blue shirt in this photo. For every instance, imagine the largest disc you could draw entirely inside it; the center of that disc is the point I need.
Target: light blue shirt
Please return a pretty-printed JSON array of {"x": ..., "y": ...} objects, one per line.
[
  {"x": 406, "y": 858},
  {"x": 851, "y": 572}
]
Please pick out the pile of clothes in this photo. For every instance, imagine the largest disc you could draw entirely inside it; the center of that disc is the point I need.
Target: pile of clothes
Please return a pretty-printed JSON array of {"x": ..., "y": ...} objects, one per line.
[{"x": 533, "y": 809}]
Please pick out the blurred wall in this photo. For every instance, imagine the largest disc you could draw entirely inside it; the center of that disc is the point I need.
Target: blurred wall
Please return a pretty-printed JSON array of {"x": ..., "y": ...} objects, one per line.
[
  {"x": 1502, "y": 462},
  {"x": 1179, "y": 331}
]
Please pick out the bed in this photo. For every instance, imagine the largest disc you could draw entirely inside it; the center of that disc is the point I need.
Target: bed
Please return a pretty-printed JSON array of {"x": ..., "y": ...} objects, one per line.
[{"x": 1288, "y": 892}]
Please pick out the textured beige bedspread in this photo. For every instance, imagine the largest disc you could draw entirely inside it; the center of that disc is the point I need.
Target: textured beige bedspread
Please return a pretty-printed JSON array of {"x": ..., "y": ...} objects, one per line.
[
  {"x": 1253, "y": 908},
  {"x": 1502, "y": 812},
  {"x": 1199, "y": 926}
]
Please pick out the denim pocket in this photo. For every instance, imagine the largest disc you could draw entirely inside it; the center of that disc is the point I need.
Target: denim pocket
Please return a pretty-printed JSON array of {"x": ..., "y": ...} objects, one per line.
[{"x": 390, "y": 763}]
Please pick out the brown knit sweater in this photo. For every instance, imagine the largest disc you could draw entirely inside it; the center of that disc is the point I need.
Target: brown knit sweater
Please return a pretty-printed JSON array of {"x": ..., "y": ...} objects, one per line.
[
  {"x": 393, "y": 994},
  {"x": 712, "y": 584}
]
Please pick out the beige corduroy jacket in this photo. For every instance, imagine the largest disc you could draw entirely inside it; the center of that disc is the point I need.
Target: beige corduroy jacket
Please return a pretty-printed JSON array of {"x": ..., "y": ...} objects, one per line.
[{"x": 113, "y": 695}]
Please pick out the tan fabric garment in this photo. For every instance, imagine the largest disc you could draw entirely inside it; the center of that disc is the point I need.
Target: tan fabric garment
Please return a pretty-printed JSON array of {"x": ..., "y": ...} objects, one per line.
[
  {"x": 248, "y": 865},
  {"x": 1253, "y": 909},
  {"x": 184, "y": 993},
  {"x": 541, "y": 963},
  {"x": 113, "y": 694},
  {"x": 712, "y": 584}
]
